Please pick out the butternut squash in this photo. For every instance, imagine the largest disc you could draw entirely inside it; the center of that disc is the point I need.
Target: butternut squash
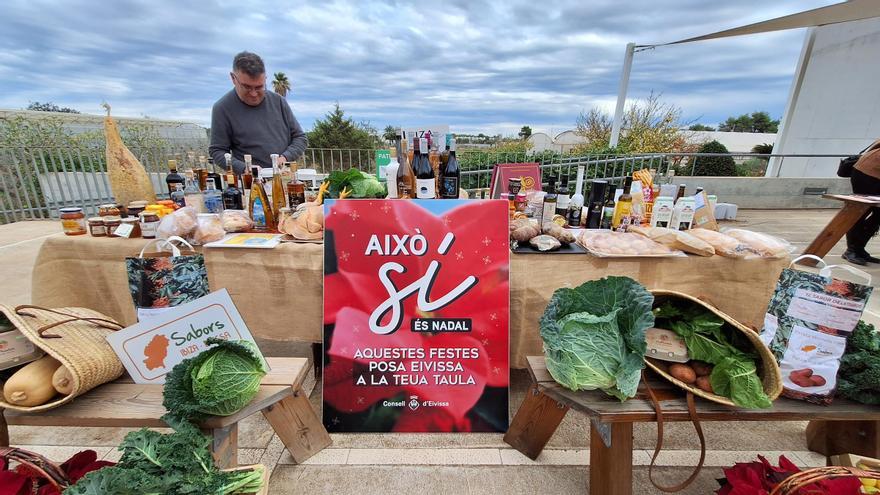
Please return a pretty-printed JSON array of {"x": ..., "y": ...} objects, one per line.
[
  {"x": 128, "y": 178},
  {"x": 62, "y": 381},
  {"x": 32, "y": 384}
]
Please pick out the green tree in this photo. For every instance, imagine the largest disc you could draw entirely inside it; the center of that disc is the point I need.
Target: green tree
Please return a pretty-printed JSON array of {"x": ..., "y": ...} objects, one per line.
[
  {"x": 754, "y": 122},
  {"x": 714, "y": 166},
  {"x": 336, "y": 130},
  {"x": 700, "y": 127},
  {"x": 390, "y": 133},
  {"x": 649, "y": 126},
  {"x": 763, "y": 149},
  {"x": 280, "y": 84},
  {"x": 49, "y": 107},
  {"x": 525, "y": 132}
]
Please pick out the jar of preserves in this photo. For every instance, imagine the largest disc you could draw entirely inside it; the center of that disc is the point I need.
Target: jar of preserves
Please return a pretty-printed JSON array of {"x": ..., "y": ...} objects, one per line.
[
  {"x": 96, "y": 227},
  {"x": 73, "y": 221},
  {"x": 135, "y": 226},
  {"x": 149, "y": 224},
  {"x": 108, "y": 210},
  {"x": 136, "y": 207},
  {"x": 111, "y": 223}
]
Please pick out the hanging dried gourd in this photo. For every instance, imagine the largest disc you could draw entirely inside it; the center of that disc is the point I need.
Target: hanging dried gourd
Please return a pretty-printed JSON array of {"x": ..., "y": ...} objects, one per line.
[{"x": 128, "y": 178}]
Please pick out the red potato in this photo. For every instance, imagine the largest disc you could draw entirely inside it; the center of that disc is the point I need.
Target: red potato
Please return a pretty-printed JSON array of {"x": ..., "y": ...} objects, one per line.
[
  {"x": 683, "y": 372},
  {"x": 701, "y": 368},
  {"x": 817, "y": 380},
  {"x": 704, "y": 384},
  {"x": 805, "y": 372}
]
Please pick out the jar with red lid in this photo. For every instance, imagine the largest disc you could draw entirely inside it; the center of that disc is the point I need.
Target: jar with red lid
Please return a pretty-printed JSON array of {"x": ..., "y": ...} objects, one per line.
[{"x": 73, "y": 221}]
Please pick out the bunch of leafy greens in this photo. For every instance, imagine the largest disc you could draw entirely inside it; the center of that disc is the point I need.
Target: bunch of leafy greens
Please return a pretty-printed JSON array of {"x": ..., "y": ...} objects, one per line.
[
  {"x": 361, "y": 184},
  {"x": 594, "y": 335},
  {"x": 218, "y": 382},
  {"x": 177, "y": 463},
  {"x": 859, "y": 375},
  {"x": 735, "y": 374}
]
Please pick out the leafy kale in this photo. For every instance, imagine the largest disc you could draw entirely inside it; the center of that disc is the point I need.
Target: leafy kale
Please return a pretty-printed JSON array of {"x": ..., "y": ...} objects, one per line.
[
  {"x": 177, "y": 463},
  {"x": 594, "y": 335},
  {"x": 859, "y": 376},
  {"x": 217, "y": 382},
  {"x": 734, "y": 374}
]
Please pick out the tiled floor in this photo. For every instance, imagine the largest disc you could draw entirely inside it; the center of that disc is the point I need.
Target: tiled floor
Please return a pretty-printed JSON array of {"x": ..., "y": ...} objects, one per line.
[{"x": 467, "y": 464}]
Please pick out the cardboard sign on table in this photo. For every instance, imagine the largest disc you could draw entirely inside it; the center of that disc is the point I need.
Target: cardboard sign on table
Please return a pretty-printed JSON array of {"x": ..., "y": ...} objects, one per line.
[
  {"x": 149, "y": 349},
  {"x": 529, "y": 172},
  {"x": 416, "y": 316}
]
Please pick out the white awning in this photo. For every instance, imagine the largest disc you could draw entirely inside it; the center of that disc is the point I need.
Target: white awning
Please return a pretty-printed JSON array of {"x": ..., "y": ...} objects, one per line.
[{"x": 853, "y": 10}]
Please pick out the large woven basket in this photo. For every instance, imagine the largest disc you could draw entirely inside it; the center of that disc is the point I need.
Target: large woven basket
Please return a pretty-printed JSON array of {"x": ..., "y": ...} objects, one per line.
[
  {"x": 74, "y": 336},
  {"x": 768, "y": 369}
]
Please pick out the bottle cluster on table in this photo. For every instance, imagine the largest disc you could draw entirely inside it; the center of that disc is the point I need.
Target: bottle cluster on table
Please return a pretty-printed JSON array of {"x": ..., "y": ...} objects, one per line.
[{"x": 424, "y": 171}]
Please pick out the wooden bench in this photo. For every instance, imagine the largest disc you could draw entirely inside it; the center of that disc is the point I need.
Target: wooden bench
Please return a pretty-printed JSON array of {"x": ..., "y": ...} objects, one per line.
[
  {"x": 122, "y": 403},
  {"x": 611, "y": 422},
  {"x": 854, "y": 206}
]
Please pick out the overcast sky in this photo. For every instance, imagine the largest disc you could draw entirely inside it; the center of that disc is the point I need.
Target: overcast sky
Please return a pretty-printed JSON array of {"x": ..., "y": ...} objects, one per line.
[{"x": 479, "y": 66}]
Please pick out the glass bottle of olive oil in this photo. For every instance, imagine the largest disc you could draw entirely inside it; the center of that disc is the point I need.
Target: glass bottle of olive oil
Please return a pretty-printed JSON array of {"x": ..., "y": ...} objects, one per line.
[
  {"x": 260, "y": 207},
  {"x": 623, "y": 208}
]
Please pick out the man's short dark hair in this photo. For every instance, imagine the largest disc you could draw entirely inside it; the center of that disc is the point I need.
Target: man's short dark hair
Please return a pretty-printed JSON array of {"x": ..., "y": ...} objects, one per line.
[{"x": 249, "y": 63}]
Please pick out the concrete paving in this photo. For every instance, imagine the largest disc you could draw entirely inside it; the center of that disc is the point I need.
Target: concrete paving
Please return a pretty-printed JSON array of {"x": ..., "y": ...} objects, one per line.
[{"x": 472, "y": 464}]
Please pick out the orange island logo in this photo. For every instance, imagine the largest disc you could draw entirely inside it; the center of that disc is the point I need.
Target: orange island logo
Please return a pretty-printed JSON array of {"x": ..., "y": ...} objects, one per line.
[{"x": 155, "y": 352}]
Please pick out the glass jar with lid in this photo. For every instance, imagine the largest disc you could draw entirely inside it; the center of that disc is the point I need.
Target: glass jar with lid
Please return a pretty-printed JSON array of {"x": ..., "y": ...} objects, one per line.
[
  {"x": 96, "y": 227},
  {"x": 149, "y": 224},
  {"x": 73, "y": 221},
  {"x": 135, "y": 226},
  {"x": 111, "y": 223}
]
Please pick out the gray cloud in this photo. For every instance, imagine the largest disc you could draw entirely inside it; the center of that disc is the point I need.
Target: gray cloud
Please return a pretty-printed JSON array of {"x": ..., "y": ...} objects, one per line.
[{"x": 484, "y": 66}]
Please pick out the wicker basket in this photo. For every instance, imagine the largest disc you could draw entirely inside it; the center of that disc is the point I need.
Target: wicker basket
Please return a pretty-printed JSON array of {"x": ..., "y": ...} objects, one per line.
[
  {"x": 74, "y": 336},
  {"x": 51, "y": 472},
  {"x": 768, "y": 369},
  {"x": 792, "y": 484}
]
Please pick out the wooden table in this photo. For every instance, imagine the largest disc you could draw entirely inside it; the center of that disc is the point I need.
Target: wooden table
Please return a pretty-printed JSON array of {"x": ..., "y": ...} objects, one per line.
[
  {"x": 854, "y": 206},
  {"x": 123, "y": 403},
  {"x": 611, "y": 422}
]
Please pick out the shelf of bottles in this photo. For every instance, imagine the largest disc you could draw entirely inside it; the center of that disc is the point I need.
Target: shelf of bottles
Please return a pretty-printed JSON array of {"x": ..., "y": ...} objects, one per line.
[{"x": 424, "y": 168}]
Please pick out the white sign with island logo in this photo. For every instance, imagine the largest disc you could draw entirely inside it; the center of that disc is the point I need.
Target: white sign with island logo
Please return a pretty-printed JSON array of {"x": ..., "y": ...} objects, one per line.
[{"x": 151, "y": 348}]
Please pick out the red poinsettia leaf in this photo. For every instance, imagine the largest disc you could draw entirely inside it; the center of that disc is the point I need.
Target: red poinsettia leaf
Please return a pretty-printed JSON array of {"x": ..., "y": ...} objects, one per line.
[
  {"x": 48, "y": 490},
  {"x": 75, "y": 475},
  {"x": 12, "y": 483},
  {"x": 79, "y": 461},
  {"x": 787, "y": 465},
  {"x": 840, "y": 486}
]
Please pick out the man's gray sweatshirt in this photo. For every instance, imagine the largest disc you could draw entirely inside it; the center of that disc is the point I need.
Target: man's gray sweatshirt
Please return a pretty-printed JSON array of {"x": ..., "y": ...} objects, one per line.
[{"x": 259, "y": 131}]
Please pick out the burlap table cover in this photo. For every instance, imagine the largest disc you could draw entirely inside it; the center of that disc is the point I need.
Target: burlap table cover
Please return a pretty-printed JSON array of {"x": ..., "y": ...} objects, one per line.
[{"x": 278, "y": 291}]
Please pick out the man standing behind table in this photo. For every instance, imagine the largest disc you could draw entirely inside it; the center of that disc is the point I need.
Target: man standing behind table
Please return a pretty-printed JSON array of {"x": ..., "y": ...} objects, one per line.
[{"x": 248, "y": 120}]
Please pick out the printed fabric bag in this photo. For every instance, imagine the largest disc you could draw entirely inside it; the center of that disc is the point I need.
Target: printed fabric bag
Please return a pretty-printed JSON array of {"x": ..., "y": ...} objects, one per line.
[
  {"x": 164, "y": 279},
  {"x": 806, "y": 326}
]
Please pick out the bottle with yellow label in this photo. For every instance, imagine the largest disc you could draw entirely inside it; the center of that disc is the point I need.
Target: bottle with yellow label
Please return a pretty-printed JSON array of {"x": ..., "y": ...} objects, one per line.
[{"x": 623, "y": 208}]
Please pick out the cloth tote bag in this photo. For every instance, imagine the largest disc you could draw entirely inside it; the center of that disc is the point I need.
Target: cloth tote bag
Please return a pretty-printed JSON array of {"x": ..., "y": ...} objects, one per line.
[{"x": 167, "y": 277}]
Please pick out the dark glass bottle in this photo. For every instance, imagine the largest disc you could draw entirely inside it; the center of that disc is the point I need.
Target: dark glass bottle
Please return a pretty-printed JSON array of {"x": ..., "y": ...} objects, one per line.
[
  {"x": 232, "y": 198},
  {"x": 424, "y": 172},
  {"x": 450, "y": 173},
  {"x": 173, "y": 177}
]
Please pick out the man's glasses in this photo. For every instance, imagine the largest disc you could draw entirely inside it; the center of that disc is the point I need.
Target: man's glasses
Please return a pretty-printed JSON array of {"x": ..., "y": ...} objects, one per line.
[{"x": 249, "y": 88}]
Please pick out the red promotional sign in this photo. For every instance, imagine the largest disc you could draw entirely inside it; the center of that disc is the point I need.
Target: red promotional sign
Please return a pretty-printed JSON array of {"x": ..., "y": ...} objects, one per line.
[{"x": 416, "y": 314}]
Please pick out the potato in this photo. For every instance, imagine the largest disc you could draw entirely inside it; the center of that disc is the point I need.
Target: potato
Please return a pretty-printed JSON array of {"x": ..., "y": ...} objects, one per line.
[
  {"x": 683, "y": 373},
  {"x": 701, "y": 368},
  {"x": 704, "y": 384},
  {"x": 817, "y": 380}
]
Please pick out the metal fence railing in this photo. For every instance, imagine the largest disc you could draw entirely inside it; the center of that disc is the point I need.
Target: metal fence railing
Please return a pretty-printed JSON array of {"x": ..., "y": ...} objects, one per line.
[{"x": 37, "y": 180}]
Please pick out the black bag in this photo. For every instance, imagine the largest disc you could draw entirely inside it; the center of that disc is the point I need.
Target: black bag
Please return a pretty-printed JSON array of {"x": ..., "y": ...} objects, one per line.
[{"x": 845, "y": 169}]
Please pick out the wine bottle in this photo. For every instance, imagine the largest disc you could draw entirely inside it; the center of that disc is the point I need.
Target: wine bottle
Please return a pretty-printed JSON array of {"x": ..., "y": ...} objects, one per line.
[
  {"x": 192, "y": 195},
  {"x": 450, "y": 173},
  {"x": 406, "y": 179},
  {"x": 232, "y": 194},
  {"x": 173, "y": 178},
  {"x": 213, "y": 176},
  {"x": 424, "y": 172}
]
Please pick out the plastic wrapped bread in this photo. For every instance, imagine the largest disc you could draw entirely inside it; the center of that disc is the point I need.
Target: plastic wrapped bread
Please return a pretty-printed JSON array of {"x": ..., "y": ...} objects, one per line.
[
  {"x": 675, "y": 239},
  {"x": 608, "y": 244}
]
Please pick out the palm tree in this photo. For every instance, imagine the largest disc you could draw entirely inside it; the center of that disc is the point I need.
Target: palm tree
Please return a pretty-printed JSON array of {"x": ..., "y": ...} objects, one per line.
[{"x": 281, "y": 84}]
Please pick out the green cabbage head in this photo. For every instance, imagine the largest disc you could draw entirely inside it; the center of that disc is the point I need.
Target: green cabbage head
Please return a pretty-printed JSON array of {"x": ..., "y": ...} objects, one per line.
[
  {"x": 218, "y": 382},
  {"x": 594, "y": 335}
]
